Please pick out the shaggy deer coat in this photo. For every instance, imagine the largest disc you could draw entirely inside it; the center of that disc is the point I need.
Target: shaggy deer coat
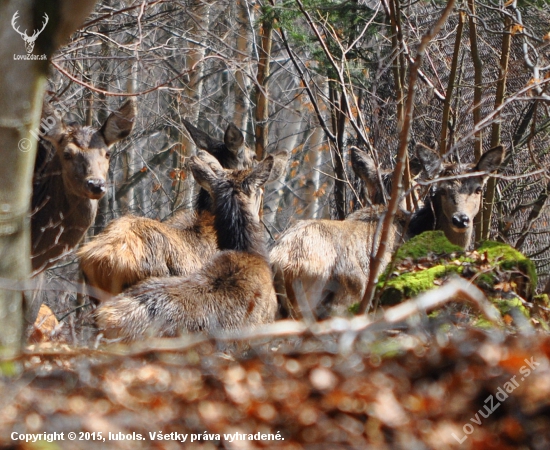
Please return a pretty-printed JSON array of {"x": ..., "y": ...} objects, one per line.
[
  {"x": 322, "y": 265},
  {"x": 232, "y": 290},
  {"x": 132, "y": 249}
]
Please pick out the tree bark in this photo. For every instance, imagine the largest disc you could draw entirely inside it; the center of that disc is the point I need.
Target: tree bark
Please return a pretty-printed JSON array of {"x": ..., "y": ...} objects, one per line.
[
  {"x": 478, "y": 81},
  {"x": 21, "y": 93},
  {"x": 496, "y": 128},
  {"x": 262, "y": 104}
]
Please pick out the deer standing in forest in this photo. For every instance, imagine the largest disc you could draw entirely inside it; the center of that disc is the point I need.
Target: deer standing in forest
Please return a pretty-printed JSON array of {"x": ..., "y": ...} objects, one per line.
[
  {"x": 323, "y": 265},
  {"x": 231, "y": 291},
  {"x": 132, "y": 249},
  {"x": 70, "y": 177}
]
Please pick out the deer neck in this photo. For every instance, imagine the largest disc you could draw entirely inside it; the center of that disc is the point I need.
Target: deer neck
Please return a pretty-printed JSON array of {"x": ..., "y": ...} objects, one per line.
[
  {"x": 236, "y": 228},
  {"x": 203, "y": 201}
]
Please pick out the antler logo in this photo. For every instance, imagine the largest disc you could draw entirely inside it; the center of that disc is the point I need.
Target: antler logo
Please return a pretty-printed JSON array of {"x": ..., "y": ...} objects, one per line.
[{"x": 29, "y": 40}]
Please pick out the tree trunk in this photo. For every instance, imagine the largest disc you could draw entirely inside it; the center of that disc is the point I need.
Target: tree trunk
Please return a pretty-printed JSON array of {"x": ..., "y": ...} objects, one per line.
[
  {"x": 262, "y": 106},
  {"x": 198, "y": 29},
  {"x": 478, "y": 77},
  {"x": 495, "y": 132},
  {"x": 21, "y": 93},
  {"x": 244, "y": 38}
]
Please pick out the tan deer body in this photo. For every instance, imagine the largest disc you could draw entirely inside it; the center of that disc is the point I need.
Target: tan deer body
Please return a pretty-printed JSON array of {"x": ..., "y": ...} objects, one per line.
[
  {"x": 69, "y": 179},
  {"x": 132, "y": 249},
  {"x": 231, "y": 291},
  {"x": 325, "y": 263}
]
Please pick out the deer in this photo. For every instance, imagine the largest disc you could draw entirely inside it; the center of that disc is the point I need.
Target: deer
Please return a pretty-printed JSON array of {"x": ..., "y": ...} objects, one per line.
[
  {"x": 70, "y": 177},
  {"x": 231, "y": 291},
  {"x": 453, "y": 202},
  {"x": 132, "y": 249},
  {"x": 323, "y": 265}
]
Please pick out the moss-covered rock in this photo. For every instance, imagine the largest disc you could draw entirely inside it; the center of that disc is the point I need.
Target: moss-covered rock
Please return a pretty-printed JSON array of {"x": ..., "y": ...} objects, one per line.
[
  {"x": 428, "y": 259},
  {"x": 425, "y": 244}
]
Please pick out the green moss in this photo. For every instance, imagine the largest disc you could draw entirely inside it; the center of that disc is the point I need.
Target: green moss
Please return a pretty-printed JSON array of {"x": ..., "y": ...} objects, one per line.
[
  {"x": 427, "y": 243},
  {"x": 505, "y": 306},
  {"x": 499, "y": 256},
  {"x": 9, "y": 369},
  {"x": 508, "y": 258},
  {"x": 411, "y": 284},
  {"x": 542, "y": 299},
  {"x": 482, "y": 322},
  {"x": 354, "y": 309}
]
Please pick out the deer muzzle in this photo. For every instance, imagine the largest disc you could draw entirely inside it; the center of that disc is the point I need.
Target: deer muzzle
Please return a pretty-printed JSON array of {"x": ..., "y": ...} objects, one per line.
[
  {"x": 96, "y": 187},
  {"x": 461, "y": 222}
]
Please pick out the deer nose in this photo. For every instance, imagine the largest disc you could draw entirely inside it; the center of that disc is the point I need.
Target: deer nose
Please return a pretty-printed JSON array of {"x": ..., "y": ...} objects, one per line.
[
  {"x": 461, "y": 220},
  {"x": 96, "y": 186}
]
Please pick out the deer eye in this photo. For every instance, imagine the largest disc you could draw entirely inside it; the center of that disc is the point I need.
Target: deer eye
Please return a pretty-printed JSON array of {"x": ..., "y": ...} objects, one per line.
[
  {"x": 68, "y": 155},
  {"x": 108, "y": 155},
  {"x": 479, "y": 190}
]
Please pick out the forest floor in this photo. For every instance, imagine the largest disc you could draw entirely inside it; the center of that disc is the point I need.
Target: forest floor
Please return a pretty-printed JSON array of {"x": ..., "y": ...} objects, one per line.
[{"x": 446, "y": 370}]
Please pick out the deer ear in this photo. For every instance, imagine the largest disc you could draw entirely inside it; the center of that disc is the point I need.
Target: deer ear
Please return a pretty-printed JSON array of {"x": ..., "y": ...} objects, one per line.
[
  {"x": 201, "y": 139},
  {"x": 52, "y": 124},
  {"x": 203, "y": 173},
  {"x": 280, "y": 160},
  {"x": 120, "y": 123},
  {"x": 490, "y": 161},
  {"x": 363, "y": 165},
  {"x": 260, "y": 174},
  {"x": 430, "y": 161},
  {"x": 233, "y": 138}
]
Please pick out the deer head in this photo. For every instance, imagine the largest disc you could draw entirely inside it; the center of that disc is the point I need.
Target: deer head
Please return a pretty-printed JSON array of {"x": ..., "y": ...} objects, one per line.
[
  {"x": 457, "y": 200},
  {"x": 84, "y": 152},
  {"x": 29, "y": 40}
]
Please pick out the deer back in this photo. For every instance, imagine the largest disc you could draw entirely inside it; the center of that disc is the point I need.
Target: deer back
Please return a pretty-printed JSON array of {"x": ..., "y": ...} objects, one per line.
[{"x": 230, "y": 291}]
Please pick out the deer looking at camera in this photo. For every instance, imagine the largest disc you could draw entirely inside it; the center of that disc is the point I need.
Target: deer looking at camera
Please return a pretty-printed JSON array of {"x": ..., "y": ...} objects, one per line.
[
  {"x": 323, "y": 265},
  {"x": 70, "y": 177},
  {"x": 231, "y": 291},
  {"x": 453, "y": 203},
  {"x": 132, "y": 249}
]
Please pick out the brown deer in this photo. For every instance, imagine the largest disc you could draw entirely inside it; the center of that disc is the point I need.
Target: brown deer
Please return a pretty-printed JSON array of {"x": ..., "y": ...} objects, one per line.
[
  {"x": 453, "y": 203},
  {"x": 323, "y": 265},
  {"x": 69, "y": 178},
  {"x": 132, "y": 249},
  {"x": 232, "y": 290}
]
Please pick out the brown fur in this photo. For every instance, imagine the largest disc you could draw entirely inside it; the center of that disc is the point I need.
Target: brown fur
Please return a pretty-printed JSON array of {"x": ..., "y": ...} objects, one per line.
[
  {"x": 231, "y": 291},
  {"x": 69, "y": 179},
  {"x": 132, "y": 249},
  {"x": 453, "y": 204},
  {"x": 322, "y": 266},
  {"x": 325, "y": 263}
]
